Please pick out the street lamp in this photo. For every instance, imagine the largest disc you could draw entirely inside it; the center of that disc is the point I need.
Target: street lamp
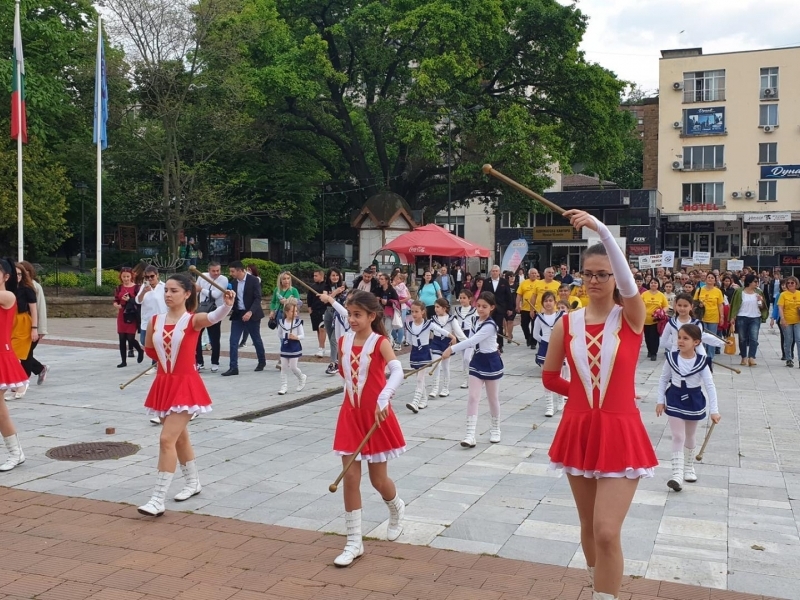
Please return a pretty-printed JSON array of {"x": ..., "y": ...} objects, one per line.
[{"x": 82, "y": 189}]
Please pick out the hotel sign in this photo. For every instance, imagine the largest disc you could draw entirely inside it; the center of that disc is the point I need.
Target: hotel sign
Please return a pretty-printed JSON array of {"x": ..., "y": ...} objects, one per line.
[{"x": 780, "y": 171}]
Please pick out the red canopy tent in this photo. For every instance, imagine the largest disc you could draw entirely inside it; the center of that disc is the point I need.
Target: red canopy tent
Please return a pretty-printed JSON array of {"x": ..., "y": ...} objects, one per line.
[{"x": 433, "y": 240}]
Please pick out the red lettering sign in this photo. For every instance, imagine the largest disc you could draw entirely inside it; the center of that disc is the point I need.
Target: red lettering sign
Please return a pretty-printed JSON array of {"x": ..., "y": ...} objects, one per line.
[{"x": 699, "y": 207}]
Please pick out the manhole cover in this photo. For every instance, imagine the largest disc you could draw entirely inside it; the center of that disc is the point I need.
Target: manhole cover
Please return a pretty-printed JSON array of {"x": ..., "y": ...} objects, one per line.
[{"x": 92, "y": 451}]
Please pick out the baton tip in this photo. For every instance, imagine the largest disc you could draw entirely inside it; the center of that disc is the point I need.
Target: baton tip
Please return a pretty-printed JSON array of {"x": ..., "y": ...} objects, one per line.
[
  {"x": 487, "y": 169},
  {"x": 332, "y": 488}
]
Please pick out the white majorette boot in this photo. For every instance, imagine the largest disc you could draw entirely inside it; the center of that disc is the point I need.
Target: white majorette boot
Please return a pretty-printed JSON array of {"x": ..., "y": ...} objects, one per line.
[
  {"x": 191, "y": 486},
  {"x": 445, "y": 391},
  {"x": 688, "y": 465},
  {"x": 469, "y": 438},
  {"x": 301, "y": 382},
  {"x": 562, "y": 403},
  {"x": 494, "y": 431},
  {"x": 15, "y": 454},
  {"x": 413, "y": 406},
  {"x": 676, "y": 481},
  {"x": 354, "y": 546},
  {"x": 155, "y": 507},
  {"x": 603, "y": 596},
  {"x": 591, "y": 575},
  {"x": 549, "y": 411},
  {"x": 465, "y": 385},
  {"x": 397, "y": 509},
  {"x": 435, "y": 390},
  {"x": 284, "y": 384},
  {"x": 423, "y": 399}
]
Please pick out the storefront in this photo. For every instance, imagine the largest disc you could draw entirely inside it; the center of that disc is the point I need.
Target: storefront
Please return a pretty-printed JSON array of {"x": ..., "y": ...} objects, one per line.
[{"x": 789, "y": 264}]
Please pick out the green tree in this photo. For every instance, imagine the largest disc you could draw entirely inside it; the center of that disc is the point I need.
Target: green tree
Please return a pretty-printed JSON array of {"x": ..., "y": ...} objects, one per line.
[
  {"x": 629, "y": 173},
  {"x": 386, "y": 94}
]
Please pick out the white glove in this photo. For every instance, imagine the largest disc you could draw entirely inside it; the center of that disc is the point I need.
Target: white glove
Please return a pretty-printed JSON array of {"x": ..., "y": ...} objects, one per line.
[
  {"x": 219, "y": 313},
  {"x": 392, "y": 385},
  {"x": 619, "y": 264}
]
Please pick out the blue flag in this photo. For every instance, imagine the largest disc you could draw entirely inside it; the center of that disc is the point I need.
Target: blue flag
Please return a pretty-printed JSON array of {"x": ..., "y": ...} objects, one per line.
[{"x": 100, "y": 93}]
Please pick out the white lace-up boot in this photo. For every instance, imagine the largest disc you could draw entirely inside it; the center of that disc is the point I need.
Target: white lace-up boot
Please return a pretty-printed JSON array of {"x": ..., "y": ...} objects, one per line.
[
  {"x": 445, "y": 391},
  {"x": 413, "y": 406},
  {"x": 591, "y": 575},
  {"x": 284, "y": 384},
  {"x": 191, "y": 486},
  {"x": 465, "y": 385},
  {"x": 603, "y": 596},
  {"x": 155, "y": 507},
  {"x": 354, "y": 546},
  {"x": 435, "y": 390},
  {"x": 562, "y": 403},
  {"x": 676, "y": 481},
  {"x": 494, "y": 431},
  {"x": 549, "y": 410},
  {"x": 469, "y": 438},
  {"x": 15, "y": 454},
  {"x": 688, "y": 465},
  {"x": 301, "y": 382},
  {"x": 397, "y": 509}
]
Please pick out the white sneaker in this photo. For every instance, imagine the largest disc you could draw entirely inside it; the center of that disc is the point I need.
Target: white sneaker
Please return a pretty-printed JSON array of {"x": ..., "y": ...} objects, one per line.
[
  {"x": 320, "y": 353},
  {"x": 464, "y": 385},
  {"x": 201, "y": 367},
  {"x": 214, "y": 368},
  {"x": 301, "y": 383}
]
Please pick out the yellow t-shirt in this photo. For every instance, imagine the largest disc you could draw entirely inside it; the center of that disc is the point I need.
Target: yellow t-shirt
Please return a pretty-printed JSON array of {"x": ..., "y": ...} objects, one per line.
[
  {"x": 652, "y": 302},
  {"x": 711, "y": 297},
  {"x": 525, "y": 291},
  {"x": 790, "y": 301},
  {"x": 540, "y": 287}
]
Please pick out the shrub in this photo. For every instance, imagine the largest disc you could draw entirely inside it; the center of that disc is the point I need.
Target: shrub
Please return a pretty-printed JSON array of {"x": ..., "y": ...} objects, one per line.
[
  {"x": 62, "y": 279},
  {"x": 104, "y": 290},
  {"x": 267, "y": 270},
  {"x": 108, "y": 277}
]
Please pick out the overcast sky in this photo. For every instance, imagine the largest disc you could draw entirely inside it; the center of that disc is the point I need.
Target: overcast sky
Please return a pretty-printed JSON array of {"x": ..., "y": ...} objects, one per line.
[{"x": 626, "y": 36}]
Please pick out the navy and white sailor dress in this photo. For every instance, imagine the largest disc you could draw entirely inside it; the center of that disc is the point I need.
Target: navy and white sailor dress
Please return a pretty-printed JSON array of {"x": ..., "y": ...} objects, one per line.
[
  {"x": 684, "y": 397},
  {"x": 290, "y": 348},
  {"x": 420, "y": 342},
  {"x": 466, "y": 317},
  {"x": 486, "y": 363},
  {"x": 542, "y": 329}
]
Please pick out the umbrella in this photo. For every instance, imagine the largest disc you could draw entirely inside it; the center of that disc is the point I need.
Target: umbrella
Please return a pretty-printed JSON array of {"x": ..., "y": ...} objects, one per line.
[{"x": 433, "y": 240}]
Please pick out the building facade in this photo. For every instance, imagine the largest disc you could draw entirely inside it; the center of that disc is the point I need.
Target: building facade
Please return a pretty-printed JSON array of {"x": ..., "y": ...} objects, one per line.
[{"x": 729, "y": 154}]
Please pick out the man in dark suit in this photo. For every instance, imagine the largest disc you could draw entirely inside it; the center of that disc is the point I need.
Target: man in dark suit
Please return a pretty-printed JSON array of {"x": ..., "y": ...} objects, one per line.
[
  {"x": 246, "y": 316},
  {"x": 368, "y": 282},
  {"x": 504, "y": 298}
]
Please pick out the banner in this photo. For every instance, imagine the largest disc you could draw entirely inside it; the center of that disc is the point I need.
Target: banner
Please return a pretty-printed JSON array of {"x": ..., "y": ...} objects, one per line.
[
  {"x": 513, "y": 255},
  {"x": 701, "y": 258},
  {"x": 668, "y": 259},
  {"x": 780, "y": 171},
  {"x": 687, "y": 262},
  {"x": 735, "y": 265},
  {"x": 644, "y": 262},
  {"x": 705, "y": 121}
]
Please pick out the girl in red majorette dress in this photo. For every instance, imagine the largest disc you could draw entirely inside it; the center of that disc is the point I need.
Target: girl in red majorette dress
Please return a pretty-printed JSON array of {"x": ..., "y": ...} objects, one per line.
[
  {"x": 178, "y": 392},
  {"x": 364, "y": 355},
  {"x": 12, "y": 375},
  {"x": 601, "y": 442}
]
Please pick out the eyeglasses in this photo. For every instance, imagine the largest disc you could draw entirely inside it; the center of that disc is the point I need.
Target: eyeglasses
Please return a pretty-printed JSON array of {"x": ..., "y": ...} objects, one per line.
[
  {"x": 152, "y": 276},
  {"x": 790, "y": 283},
  {"x": 599, "y": 277}
]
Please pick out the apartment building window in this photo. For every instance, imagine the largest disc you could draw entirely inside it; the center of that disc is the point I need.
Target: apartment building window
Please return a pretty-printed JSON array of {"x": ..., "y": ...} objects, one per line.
[
  {"x": 768, "y": 153},
  {"x": 704, "y": 86},
  {"x": 505, "y": 220},
  {"x": 703, "y": 158},
  {"x": 703, "y": 193},
  {"x": 769, "y": 83},
  {"x": 768, "y": 115},
  {"x": 768, "y": 191},
  {"x": 456, "y": 224}
]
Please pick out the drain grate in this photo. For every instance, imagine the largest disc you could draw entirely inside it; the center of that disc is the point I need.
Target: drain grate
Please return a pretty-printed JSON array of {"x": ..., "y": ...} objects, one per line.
[{"x": 92, "y": 451}]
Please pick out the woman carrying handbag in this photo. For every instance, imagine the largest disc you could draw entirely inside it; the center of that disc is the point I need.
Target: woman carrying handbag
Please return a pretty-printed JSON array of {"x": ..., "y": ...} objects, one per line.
[{"x": 748, "y": 312}]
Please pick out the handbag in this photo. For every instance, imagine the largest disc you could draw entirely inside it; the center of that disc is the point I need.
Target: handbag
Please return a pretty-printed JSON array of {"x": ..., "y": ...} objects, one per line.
[
  {"x": 730, "y": 346},
  {"x": 397, "y": 320},
  {"x": 132, "y": 311}
]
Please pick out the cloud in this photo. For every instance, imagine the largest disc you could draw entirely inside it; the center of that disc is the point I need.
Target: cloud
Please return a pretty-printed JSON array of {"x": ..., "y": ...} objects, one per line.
[{"x": 627, "y": 36}]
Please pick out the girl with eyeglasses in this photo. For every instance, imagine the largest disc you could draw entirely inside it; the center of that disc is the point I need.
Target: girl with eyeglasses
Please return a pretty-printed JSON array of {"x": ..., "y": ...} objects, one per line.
[
  {"x": 12, "y": 375},
  {"x": 601, "y": 442}
]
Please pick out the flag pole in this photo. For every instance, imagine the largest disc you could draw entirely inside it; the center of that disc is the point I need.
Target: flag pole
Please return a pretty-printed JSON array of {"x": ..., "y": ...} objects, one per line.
[
  {"x": 20, "y": 213},
  {"x": 98, "y": 117}
]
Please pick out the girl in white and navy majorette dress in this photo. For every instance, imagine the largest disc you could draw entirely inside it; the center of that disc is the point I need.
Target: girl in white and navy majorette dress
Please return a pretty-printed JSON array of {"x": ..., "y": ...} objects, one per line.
[
  {"x": 683, "y": 316},
  {"x": 681, "y": 398},
  {"x": 439, "y": 343},
  {"x": 290, "y": 332},
  {"x": 485, "y": 369},
  {"x": 419, "y": 333},
  {"x": 543, "y": 326},
  {"x": 466, "y": 316}
]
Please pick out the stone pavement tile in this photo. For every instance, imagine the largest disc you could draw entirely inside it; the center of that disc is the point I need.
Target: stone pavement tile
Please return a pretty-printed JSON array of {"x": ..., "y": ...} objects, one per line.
[
  {"x": 754, "y": 583},
  {"x": 689, "y": 571},
  {"x": 535, "y": 550}
]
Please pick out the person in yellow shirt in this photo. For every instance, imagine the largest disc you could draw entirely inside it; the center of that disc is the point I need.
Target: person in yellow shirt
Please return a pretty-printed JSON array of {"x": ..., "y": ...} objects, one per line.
[
  {"x": 548, "y": 284},
  {"x": 524, "y": 293},
  {"x": 565, "y": 296},
  {"x": 580, "y": 293},
  {"x": 713, "y": 301},
  {"x": 789, "y": 310},
  {"x": 653, "y": 300}
]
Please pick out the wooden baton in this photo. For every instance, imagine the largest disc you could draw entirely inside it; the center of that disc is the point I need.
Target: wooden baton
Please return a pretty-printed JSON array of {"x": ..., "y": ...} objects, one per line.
[
  {"x": 305, "y": 285},
  {"x": 489, "y": 170},
  {"x": 335, "y": 485},
  {"x": 195, "y": 271},
  {"x": 699, "y": 456},
  {"x": 734, "y": 369}
]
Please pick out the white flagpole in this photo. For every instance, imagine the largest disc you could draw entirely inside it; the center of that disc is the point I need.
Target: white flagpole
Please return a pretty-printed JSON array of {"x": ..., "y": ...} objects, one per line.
[
  {"x": 98, "y": 97},
  {"x": 20, "y": 214}
]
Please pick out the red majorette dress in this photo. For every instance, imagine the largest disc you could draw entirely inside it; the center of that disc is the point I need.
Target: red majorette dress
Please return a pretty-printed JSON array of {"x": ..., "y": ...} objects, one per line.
[
  {"x": 12, "y": 375},
  {"x": 177, "y": 386},
  {"x": 601, "y": 433},
  {"x": 363, "y": 369}
]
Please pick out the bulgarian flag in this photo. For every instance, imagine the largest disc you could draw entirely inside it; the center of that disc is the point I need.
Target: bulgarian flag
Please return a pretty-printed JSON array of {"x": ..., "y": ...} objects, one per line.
[{"x": 18, "y": 85}]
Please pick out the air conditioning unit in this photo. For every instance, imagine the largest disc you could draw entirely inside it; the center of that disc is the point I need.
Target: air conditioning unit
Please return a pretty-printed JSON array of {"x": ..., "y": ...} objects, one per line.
[
  {"x": 677, "y": 86},
  {"x": 677, "y": 125},
  {"x": 626, "y": 201},
  {"x": 736, "y": 195},
  {"x": 749, "y": 194},
  {"x": 769, "y": 92},
  {"x": 677, "y": 165},
  {"x": 768, "y": 128}
]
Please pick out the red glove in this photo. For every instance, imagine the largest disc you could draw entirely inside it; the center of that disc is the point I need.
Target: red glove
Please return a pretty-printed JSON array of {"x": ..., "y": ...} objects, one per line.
[
  {"x": 554, "y": 382},
  {"x": 151, "y": 352}
]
